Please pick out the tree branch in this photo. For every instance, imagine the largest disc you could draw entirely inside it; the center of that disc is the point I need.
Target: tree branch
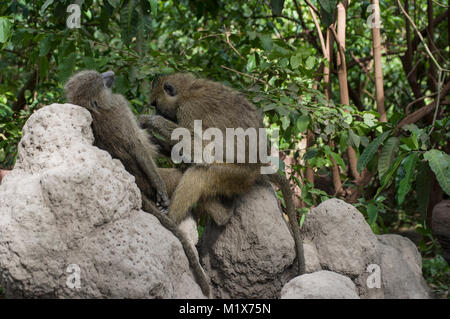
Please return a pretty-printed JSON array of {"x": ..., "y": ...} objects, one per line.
[{"x": 425, "y": 110}]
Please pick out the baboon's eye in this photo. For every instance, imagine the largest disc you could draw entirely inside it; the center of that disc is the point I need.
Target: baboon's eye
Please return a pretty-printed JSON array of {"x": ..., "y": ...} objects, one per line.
[{"x": 170, "y": 89}]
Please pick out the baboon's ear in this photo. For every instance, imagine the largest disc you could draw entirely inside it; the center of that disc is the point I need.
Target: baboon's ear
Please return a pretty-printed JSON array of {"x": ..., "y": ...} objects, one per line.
[{"x": 170, "y": 89}]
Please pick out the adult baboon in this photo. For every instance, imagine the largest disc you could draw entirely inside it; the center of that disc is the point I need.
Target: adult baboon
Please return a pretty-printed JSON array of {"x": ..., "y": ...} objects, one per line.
[{"x": 180, "y": 99}]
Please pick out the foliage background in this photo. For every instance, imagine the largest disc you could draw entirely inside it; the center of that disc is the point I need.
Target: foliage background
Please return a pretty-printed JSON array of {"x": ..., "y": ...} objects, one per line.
[{"x": 271, "y": 51}]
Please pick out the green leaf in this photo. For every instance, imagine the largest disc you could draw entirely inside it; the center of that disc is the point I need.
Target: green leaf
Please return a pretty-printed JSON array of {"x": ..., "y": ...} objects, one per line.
[
  {"x": 45, "y": 6},
  {"x": 251, "y": 63},
  {"x": 387, "y": 155},
  {"x": 43, "y": 67},
  {"x": 327, "y": 11},
  {"x": 338, "y": 160},
  {"x": 440, "y": 164},
  {"x": 369, "y": 119},
  {"x": 128, "y": 21},
  {"x": 343, "y": 141},
  {"x": 405, "y": 184},
  {"x": 348, "y": 118},
  {"x": 310, "y": 153},
  {"x": 154, "y": 6},
  {"x": 45, "y": 45},
  {"x": 330, "y": 154},
  {"x": 423, "y": 187},
  {"x": 295, "y": 60},
  {"x": 302, "y": 123},
  {"x": 114, "y": 3},
  {"x": 285, "y": 121},
  {"x": 330, "y": 129},
  {"x": 353, "y": 139},
  {"x": 364, "y": 141},
  {"x": 411, "y": 142},
  {"x": 370, "y": 151},
  {"x": 266, "y": 41},
  {"x": 387, "y": 178},
  {"x": 328, "y": 5},
  {"x": 372, "y": 214},
  {"x": 269, "y": 107},
  {"x": 66, "y": 66},
  {"x": 310, "y": 62},
  {"x": 277, "y": 6},
  {"x": 5, "y": 29}
]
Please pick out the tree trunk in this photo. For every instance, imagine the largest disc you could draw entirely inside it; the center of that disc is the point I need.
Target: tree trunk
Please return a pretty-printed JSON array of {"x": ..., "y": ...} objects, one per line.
[
  {"x": 342, "y": 74},
  {"x": 329, "y": 57},
  {"x": 342, "y": 68},
  {"x": 379, "y": 90}
]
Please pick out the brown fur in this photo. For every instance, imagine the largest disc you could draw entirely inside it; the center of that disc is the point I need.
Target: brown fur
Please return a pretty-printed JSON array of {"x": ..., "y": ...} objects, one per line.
[
  {"x": 116, "y": 131},
  {"x": 183, "y": 98}
]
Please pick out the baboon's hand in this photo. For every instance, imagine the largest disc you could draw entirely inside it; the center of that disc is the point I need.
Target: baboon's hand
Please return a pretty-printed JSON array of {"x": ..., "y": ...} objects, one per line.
[
  {"x": 162, "y": 201},
  {"x": 158, "y": 124},
  {"x": 153, "y": 122},
  {"x": 145, "y": 121}
]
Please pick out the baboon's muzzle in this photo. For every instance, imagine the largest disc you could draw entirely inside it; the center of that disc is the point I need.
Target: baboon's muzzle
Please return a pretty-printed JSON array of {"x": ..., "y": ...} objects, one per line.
[{"x": 108, "y": 79}]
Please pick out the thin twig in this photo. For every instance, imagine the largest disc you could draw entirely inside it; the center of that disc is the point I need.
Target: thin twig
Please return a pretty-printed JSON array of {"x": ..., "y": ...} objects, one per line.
[
  {"x": 370, "y": 57},
  {"x": 421, "y": 38},
  {"x": 418, "y": 100},
  {"x": 441, "y": 4},
  {"x": 341, "y": 49},
  {"x": 116, "y": 49},
  {"x": 312, "y": 7},
  {"x": 227, "y": 36},
  {"x": 441, "y": 78},
  {"x": 247, "y": 75},
  {"x": 276, "y": 16},
  {"x": 319, "y": 31},
  {"x": 362, "y": 66}
]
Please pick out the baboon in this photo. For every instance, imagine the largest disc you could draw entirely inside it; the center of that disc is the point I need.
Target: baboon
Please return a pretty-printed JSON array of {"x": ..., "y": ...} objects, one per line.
[
  {"x": 116, "y": 131},
  {"x": 181, "y": 98}
]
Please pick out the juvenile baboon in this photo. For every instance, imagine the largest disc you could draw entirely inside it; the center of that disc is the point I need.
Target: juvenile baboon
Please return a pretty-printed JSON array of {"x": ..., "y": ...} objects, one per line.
[
  {"x": 180, "y": 99},
  {"x": 116, "y": 131}
]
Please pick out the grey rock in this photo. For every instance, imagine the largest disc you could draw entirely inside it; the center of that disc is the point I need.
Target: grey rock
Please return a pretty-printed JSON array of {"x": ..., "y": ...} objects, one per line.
[
  {"x": 69, "y": 203},
  {"x": 252, "y": 255},
  {"x": 441, "y": 226},
  {"x": 344, "y": 241},
  {"x": 312, "y": 261},
  {"x": 401, "y": 269},
  {"x": 345, "y": 244},
  {"x": 320, "y": 285}
]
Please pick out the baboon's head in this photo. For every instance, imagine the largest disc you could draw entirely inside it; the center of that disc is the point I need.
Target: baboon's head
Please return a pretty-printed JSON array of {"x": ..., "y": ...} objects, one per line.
[
  {"x": 87, "y": 89},
  {"x": 167, "y": 92}
]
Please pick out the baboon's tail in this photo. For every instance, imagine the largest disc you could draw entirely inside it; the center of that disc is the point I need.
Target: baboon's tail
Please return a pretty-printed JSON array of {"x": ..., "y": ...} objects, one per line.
[
  {"x": 197, "y": 269},
  {"x": 283, "y": 184}
]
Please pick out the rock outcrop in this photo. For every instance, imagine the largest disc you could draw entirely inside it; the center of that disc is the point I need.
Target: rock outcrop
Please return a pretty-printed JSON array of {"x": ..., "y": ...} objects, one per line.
[
  {"x": 320, "y": 285},
  {"x": 71, "y": 224},
  {"x": 338, "y": 239},
  {"x": 441, "y": 226},
  {"x": 251, "y": 256}
]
